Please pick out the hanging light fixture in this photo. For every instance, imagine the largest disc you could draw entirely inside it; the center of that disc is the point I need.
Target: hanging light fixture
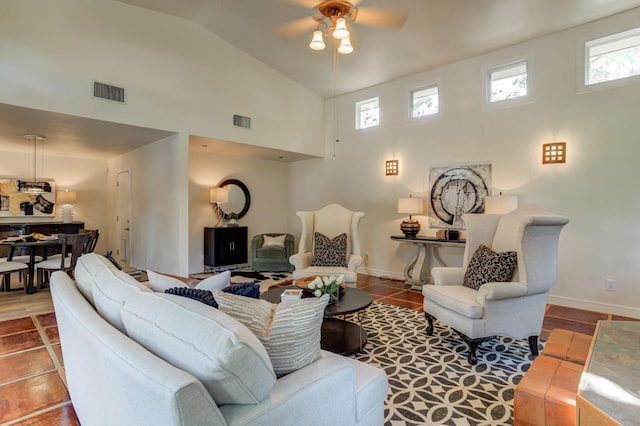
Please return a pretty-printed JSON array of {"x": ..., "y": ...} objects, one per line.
[
  {"x": 333, "y": 19},
  {"x": 33, "y": 187}
]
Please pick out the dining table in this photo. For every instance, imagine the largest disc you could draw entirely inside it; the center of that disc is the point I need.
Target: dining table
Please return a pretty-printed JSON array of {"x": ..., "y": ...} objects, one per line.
[{"x": 32, "y": 246}]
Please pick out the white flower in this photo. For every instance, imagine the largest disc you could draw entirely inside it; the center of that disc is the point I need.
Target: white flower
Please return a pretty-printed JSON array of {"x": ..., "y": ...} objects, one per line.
[
  {"x": 317, "y": 293},
  {"x": 320, "y": 284},
  {"x": 312, "y": 285},
  {"x": 340, "y": 279},
  {"x": 327, "y": 280}
]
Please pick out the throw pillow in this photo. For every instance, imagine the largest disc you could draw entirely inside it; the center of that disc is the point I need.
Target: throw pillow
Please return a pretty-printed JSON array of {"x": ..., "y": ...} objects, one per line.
[
  {"x": 205, "y": 296},
  {"x": 277, "y": 241},
  {"x": 223, "y": 354},
  {"x": 160, "y": 282},
  {"x": 329, "y": 252},
  {"x": 289, "y": 331},
  {"x": 487, "y": 266}
]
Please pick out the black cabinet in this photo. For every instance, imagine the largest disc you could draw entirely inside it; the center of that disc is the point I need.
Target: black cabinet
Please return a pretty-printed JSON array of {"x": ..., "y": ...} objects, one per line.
[{"x": 225, "y": 246}]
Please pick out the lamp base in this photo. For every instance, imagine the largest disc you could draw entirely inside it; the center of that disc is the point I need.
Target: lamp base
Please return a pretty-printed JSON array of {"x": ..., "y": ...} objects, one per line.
[
  {"x": 410, "y": 227},
  {"x": 67, "y": 213}
]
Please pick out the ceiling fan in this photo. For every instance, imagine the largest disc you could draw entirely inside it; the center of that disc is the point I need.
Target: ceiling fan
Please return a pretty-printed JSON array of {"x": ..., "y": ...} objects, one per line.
[{"x": 333, "y": 17}]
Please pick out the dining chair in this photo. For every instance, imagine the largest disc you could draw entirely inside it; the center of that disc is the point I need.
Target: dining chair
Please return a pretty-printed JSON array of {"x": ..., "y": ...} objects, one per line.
[
  {"x": 95, "y": 234},
  {"x": 7, "y": 253},
  {"x": 6, "y": 269},
  {"x": 73, "y": 246}
]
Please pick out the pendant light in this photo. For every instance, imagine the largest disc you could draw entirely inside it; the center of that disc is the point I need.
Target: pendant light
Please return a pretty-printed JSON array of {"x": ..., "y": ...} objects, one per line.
[{"x": 33, "y": 187}]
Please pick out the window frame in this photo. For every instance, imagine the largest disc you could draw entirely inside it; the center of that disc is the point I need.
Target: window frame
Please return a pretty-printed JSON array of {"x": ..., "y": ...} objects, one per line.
[
  {"x": 584, "y": 59},
  {"x": 358, "y": 112},
  {"x": 510, "y": 102},
  {"x": 411, "y": 99}
]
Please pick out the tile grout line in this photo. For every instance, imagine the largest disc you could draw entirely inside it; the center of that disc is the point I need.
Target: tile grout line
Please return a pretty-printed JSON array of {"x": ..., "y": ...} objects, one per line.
[
  {"x": 35, "y": 413},
  {"x": 50, "y": 351}
]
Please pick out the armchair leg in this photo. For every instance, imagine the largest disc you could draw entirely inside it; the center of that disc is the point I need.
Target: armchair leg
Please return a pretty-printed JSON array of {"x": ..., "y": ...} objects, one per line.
[
  {"x": 473, "y": 344},
  {"x": 430, "y": 319},
  {"x": 533, "y": 345}
]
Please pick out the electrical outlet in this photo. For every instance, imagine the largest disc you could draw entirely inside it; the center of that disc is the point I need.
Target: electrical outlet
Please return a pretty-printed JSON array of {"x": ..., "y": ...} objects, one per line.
[{"x": 610, "y": 284}]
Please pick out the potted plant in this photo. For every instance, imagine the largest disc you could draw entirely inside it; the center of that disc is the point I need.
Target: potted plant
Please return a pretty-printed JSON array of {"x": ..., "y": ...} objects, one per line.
[{"x": 232, "y": 218}]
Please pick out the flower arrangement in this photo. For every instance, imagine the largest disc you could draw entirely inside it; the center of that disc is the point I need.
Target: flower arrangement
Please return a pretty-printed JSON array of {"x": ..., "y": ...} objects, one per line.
[{"x": 326, "y": 285}]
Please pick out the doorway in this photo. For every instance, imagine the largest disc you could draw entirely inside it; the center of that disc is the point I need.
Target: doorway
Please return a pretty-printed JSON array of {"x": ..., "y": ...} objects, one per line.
[{"x": 123, "y": 218}]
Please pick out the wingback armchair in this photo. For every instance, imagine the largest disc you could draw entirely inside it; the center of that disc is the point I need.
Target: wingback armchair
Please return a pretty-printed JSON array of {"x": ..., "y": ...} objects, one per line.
[
  {"x": 321, "y": 240},
  {"x": 513, "y": 308}
]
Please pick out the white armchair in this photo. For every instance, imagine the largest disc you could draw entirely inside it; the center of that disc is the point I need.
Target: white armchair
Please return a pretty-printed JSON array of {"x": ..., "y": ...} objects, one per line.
[
  {"x": 515, "y": 308},
  {"x": 330, "y": 221}
]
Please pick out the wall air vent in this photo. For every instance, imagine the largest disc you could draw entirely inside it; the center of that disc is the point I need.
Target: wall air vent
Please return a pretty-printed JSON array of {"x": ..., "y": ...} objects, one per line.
[
  {"x": 108, "y": 92},
  {"x": 241, "y": 121}
]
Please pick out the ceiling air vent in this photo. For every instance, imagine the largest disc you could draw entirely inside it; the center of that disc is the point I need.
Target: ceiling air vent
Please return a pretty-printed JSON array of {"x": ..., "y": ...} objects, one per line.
[
  {"x": 108, "y": 92},
  {"x": 241, "y": 121}
]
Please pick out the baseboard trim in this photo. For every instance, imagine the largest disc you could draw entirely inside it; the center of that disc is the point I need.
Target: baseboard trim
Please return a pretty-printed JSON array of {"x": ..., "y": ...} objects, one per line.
[
  {"x": 380, "y": 273},
  {"x": 608, "y": 308}
]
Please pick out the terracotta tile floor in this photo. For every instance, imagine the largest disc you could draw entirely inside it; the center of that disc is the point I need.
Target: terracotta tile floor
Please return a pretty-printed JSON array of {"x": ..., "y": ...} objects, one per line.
[{"x": 32, "y": 381}]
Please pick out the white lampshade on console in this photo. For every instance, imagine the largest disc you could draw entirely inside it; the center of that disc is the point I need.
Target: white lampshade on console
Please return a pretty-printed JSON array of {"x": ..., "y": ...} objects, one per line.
[
  {"x": 218, "y": 196},
  {"x": 67, "y": 198},
  {"x": 410, "y": 227},
  {"x": 500, "y": 204}
]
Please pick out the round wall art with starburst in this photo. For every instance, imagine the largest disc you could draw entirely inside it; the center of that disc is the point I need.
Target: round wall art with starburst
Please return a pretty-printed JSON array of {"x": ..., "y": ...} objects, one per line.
[{"x": 456, "y": 191}]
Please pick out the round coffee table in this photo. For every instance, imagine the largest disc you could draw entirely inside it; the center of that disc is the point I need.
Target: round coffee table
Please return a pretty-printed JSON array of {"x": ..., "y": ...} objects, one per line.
[{"x": 337, "y": 335}]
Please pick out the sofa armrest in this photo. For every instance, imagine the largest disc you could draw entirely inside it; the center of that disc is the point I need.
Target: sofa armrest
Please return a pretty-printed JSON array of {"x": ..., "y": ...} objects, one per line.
[
  {"x": 354, "y": 261},
  {"x": 500, "y": 291},
  {"x": 301, "y": 260},
  {"x": 448, "y": 275},
  {"x": 324, "y": 389}
]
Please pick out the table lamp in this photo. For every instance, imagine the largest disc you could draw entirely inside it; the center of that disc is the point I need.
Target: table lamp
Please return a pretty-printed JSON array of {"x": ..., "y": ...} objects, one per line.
[
  {"x": 218, "y": 196},
  {"x": 410, "y": 227},
  {"x": 500, "y": 204},
  {"x": 67, "y": 198}
]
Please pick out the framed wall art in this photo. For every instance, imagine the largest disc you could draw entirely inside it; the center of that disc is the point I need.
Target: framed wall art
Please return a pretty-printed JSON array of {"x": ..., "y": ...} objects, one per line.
[
  {"x": 455, "y": 191},
  {"x": 21, "y": 197}
]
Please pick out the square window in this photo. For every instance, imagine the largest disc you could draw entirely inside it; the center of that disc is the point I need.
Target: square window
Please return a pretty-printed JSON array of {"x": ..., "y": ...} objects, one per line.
[
  {"x": 368, "y": 113},
  {"x": 507, "y": 82},
  {"x": 424, "y": 101},
  {"x": 613, "y": 57}
]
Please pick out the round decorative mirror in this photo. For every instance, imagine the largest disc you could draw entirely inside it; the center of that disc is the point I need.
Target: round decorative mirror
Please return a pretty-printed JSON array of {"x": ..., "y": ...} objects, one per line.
[{"x": 239, "y": 197}]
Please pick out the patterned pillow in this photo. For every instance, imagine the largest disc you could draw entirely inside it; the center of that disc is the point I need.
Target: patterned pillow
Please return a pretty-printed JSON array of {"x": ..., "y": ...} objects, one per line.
[
  {"x": 488, "y": 266},
  {"x": 328, "y": 252},
  {"x": 249, "y": 289},
  {"x": 290, "y": 331}
]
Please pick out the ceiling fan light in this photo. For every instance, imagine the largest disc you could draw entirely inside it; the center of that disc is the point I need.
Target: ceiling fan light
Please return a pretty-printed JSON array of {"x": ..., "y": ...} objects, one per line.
[
  {"x": 340, "y": 31},
  {"x": 345, "y": 46},
  {"x": 317, "y": 43}
]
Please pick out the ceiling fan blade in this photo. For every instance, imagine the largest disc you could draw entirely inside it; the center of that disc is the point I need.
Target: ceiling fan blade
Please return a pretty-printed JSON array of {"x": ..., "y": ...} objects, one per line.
[
  {"x": 305, "y": 3},
  {"x": 385, "y": 18},
  {"x": 295, "y": 28}
]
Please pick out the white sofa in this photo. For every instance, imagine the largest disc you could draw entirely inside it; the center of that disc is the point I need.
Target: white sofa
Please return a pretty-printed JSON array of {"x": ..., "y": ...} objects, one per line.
[{"x": 113, "y": 379}]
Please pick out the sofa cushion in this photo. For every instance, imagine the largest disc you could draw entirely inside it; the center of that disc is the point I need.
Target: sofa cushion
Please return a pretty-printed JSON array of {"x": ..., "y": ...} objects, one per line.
[
  {"x": 161, "y": 282},
  {"x": 290, "y": 331},
  {"x": 329, "y": 252},
  {"x": 223, "y": 354},
  {"x": 110, "y": 290},
  {"x": 488, "y": 266},
  {"x": 87, "y": 267},
  {"x": 457, "y": 298},
  {"x": 277, "y": 241}
]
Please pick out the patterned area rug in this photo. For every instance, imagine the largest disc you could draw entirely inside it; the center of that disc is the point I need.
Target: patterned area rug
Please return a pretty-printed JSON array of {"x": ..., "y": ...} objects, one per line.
[{"x": 430, "y": 380}]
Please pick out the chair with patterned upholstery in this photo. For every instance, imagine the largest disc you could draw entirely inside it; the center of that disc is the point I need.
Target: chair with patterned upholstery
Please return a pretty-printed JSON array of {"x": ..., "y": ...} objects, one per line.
[
  {"x": 270, "y": 252},
  {"x": 509, "y": 267},
  {"x": 329, "y": 244}
]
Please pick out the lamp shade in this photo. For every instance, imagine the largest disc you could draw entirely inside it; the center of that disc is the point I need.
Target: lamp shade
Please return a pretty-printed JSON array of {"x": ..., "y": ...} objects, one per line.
[
  {"x": 67, "y": 197},
  {"x": 345, "y": 46},
  {"x": 410, "y": 205},
  {"x": 317, "y": 43},
  {"x": 500, "y": 204},
  {"x": 341, "y": 31},
  {"x": 218, "y": 195}
]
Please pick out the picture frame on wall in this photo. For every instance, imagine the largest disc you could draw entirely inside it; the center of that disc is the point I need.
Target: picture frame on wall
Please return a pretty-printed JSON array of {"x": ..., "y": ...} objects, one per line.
[
  {"x": 457, "y": 190},
  {"x": 27, "y": 198}
]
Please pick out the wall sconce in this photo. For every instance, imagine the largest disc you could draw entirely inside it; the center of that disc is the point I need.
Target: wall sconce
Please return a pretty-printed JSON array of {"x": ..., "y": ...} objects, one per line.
[
  {"x": 391, "y": 167},
  {"x": 67, "y": 198},
  {"x": 410, "y": 227},
  {"x": 555, "y": 152},
  {"x": 218, "y": 196}
]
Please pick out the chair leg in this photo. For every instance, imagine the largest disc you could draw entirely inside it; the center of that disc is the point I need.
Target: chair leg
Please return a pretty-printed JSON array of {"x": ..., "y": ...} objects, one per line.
[
  {"x": 533, "y": 345},
  {"x": 430, "y": 319}
]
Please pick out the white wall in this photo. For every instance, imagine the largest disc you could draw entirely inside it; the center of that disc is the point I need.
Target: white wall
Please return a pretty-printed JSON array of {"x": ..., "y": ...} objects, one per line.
[
  {"x": 597, "y": 187},
  {"x": 267, "y": 182},
  {"x": 178, "y": 76},
  {"x": 88, "y": 177},
  {"x": 159, "y": 204}
]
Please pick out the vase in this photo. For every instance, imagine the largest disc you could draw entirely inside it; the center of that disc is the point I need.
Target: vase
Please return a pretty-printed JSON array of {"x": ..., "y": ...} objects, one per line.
[{"x": 334, "y": 297}]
